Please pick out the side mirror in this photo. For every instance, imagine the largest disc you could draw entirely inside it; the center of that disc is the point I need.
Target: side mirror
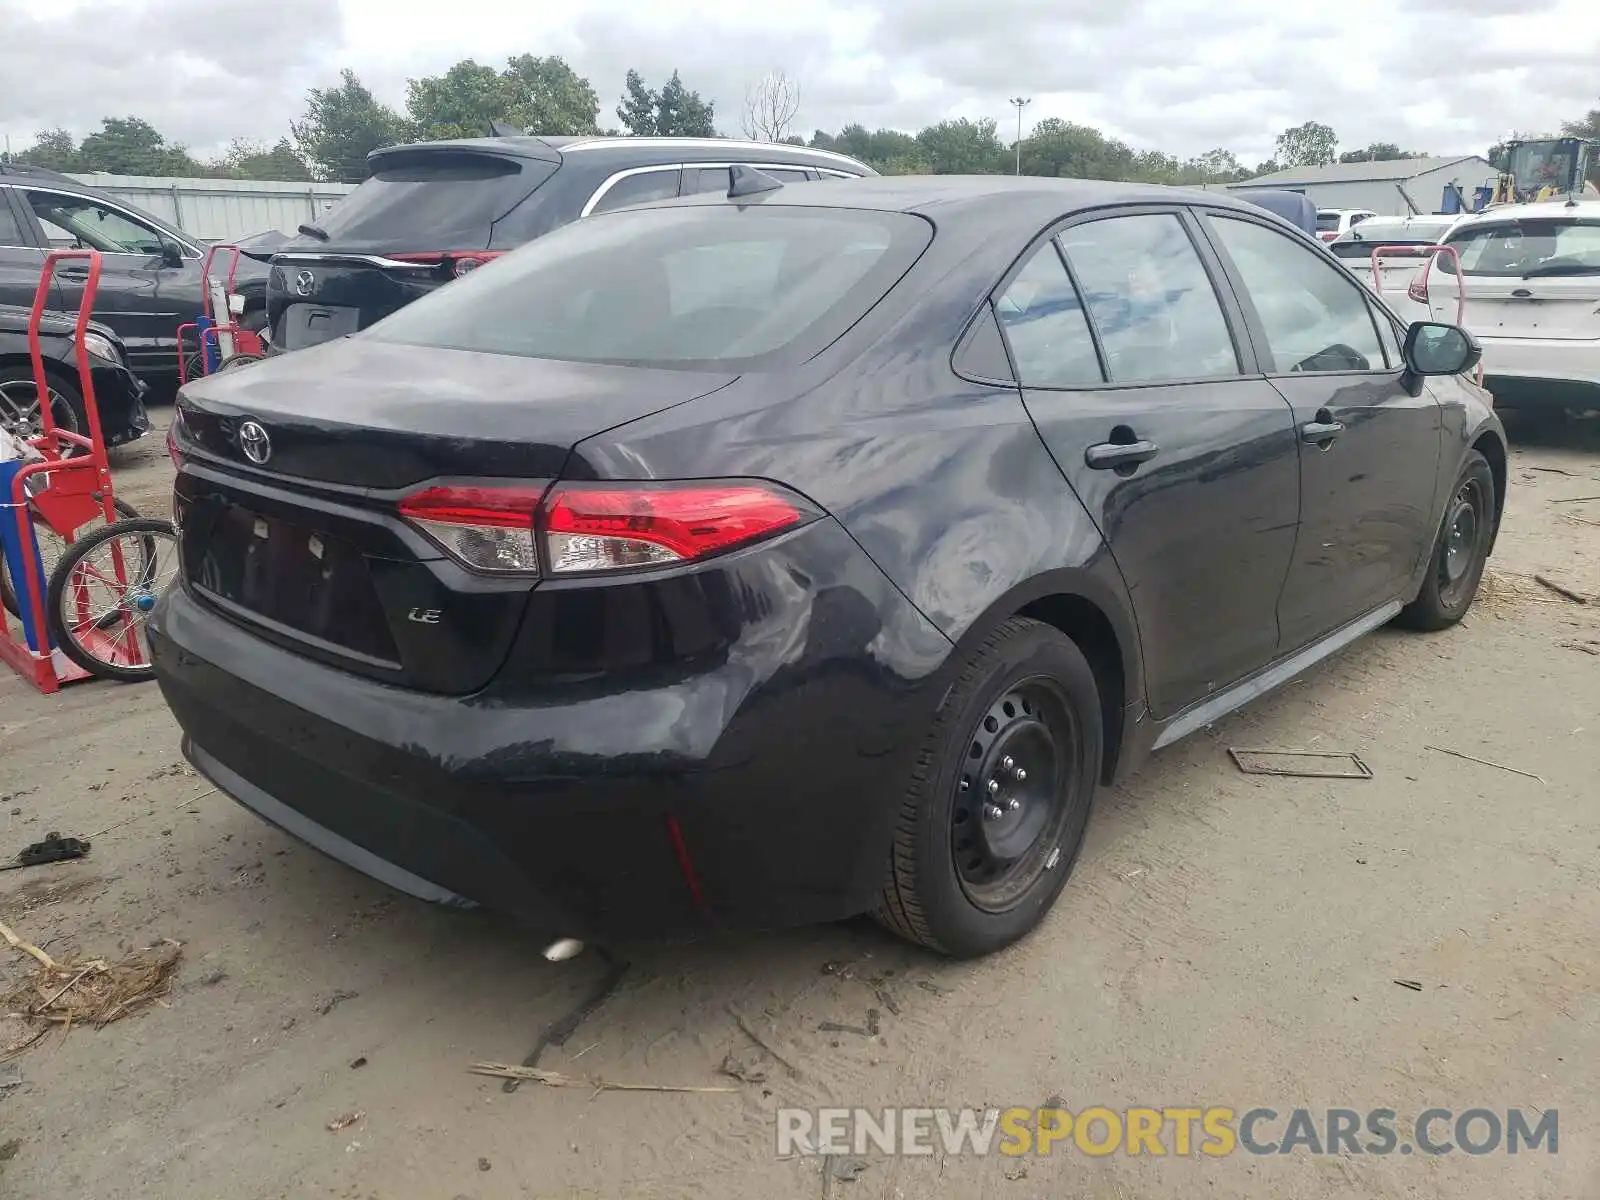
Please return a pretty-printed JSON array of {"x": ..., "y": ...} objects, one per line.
[
  {"x": 171, "y": 254},
  {"x": 1434, "y": 348}
]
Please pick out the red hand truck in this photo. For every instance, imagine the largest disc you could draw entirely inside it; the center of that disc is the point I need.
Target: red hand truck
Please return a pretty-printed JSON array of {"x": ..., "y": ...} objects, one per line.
[
  {"x": 215, "y": 330},
  {"x": 66, "y": 489}
]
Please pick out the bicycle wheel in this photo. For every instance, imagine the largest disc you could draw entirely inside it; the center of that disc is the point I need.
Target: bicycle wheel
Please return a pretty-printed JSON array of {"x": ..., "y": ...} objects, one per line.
[
  {"x": 51, "y": 548},
  {"x": 102, "y": 592}
]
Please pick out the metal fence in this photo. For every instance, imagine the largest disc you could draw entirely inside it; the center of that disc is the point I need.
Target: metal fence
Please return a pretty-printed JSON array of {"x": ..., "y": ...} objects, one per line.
[{"x": 223, "y": 209}]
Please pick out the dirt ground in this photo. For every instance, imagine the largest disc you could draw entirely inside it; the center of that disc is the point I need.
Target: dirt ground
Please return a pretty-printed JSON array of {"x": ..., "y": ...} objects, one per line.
[{"x": 1227, "y": 940}]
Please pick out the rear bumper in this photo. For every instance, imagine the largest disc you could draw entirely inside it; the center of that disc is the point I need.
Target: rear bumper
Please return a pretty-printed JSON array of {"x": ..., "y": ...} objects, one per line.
[
  {"x": 1542, "y": 372},
  {"x": 756, "y": 791}
]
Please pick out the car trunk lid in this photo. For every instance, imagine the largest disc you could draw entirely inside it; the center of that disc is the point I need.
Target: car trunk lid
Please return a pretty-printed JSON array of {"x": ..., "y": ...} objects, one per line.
[
  {"x": 1559, "y": 308},
  {"x": 298, "y": 536}
]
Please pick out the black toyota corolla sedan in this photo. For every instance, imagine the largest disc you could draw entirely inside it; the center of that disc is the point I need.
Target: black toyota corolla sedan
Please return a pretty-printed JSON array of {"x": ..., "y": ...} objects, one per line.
[{"x": 818, "y": 551}]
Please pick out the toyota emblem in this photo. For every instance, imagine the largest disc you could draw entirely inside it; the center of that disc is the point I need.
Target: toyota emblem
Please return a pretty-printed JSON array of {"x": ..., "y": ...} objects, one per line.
[
  {"x": 305, "y": 283},
  {"x": 255, "y": 443}
]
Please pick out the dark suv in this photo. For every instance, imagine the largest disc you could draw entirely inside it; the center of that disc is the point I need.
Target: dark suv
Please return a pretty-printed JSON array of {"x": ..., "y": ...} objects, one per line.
[
  {"x": 150, "y": 280},
  {"x": 434, "y": 210}
]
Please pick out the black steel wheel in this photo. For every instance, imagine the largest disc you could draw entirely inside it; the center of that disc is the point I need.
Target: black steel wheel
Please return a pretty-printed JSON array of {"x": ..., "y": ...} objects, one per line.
[
  {"x": 1460, "y": 551},
  {"x": 1012, "y": 798},
  {"x": 999, "y": 797}
]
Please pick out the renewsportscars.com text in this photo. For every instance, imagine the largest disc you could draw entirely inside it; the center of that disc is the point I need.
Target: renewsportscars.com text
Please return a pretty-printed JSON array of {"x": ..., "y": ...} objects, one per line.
[{"x": 1213, "y": 1132}]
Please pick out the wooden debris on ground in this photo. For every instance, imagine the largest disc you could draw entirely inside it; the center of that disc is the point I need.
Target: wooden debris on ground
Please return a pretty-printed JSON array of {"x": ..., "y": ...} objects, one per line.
[
  {"x": 95, "y": 992},
  {"x": 557, "y": 1079}
]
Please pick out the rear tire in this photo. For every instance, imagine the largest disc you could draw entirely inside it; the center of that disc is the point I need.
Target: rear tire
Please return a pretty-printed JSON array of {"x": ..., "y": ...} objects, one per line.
[
  {"x": 974, "y": 868},
  {"x": 1460, "y": 551}
]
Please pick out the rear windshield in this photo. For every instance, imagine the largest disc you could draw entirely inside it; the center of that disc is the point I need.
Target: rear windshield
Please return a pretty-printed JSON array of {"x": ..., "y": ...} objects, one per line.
[
  {"x": 1527, "y": 249},
  {"x": 1370, "y": 234},
  {"x": 430, "y": 200},
  {"x": 699, "y": 286},
  {"x": 1327, "y": 222}
]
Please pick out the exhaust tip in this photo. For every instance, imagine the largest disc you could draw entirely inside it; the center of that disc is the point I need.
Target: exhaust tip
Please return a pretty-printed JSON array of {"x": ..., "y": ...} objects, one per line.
[{"x": 562, "y": 949}]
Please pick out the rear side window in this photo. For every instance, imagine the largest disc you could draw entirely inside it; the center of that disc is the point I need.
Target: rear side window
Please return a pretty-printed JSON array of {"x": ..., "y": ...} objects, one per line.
[
  {"x": 718, "y": 179},
  {"x": 1527, "y": 250},
  {"x": 432, "y": 200},
  {"x": 1327, "y": 222},
  {"x": 1044, "y": 322},
  {"x": 641, "y": 189},
  {"x": 700, "y": 287},
  {"x": 10, "y": 230},
  {"x": 1151, "y": 300},
  {"x": 1314, "y": 317}
]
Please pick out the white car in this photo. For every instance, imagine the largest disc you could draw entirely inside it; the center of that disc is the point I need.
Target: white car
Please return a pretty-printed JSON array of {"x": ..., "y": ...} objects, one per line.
[
  {"x": 1532, "y": 279},
  {"x": 1331, "y": 222},
  {"x": 1407, "y": 240}
]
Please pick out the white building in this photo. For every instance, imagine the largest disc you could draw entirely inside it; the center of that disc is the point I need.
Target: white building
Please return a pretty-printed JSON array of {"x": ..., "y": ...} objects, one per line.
[
  {"x": 1403, "y": 187},
  {"x": 223, "y": 209}
]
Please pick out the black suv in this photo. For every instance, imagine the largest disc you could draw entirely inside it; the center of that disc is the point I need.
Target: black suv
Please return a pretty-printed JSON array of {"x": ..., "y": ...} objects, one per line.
[
  {"x": 150, "y": 272},
  {"x": 434, "y": 210}
]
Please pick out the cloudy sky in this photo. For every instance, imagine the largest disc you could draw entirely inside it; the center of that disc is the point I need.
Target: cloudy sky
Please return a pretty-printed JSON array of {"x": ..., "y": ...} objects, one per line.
[{"x": 1178, "y": 75}]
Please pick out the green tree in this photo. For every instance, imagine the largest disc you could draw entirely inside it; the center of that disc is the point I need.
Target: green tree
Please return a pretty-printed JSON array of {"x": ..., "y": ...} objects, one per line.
[
  {"x": 1061, "y": 148},
  {"x": 962, "y": 147},
  {"x": 638, "y": 108},
  {"x": 546, "y": 96},
  {"x": 131, "y": 146},
  {"x": 1308, "y": 145},
  {"x": 342, "y": 125},
  {"x": 890, "y": 151},
  {"x": 460, "y": 103},
  {"x": 673, "y": 111},
  {"x": 1378, "y": 152},
  {"x": 253, "y": 160},
  {"x": 54, "y": 149}
]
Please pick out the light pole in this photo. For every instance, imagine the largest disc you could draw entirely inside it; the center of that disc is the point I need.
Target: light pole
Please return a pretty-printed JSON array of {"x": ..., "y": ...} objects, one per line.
[{"x": 1018, "y": 102}]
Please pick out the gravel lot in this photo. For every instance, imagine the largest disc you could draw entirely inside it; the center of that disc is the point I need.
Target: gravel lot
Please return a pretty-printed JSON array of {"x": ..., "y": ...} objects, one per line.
[{"x": 1227, "y": 940}]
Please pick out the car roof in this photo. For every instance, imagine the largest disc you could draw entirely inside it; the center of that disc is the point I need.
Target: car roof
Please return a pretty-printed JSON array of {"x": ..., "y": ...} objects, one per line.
[
  {"x": 1584, "y": 209},
  {"x": 644, "y": 150},
  {"x": 998, "y": 198}
]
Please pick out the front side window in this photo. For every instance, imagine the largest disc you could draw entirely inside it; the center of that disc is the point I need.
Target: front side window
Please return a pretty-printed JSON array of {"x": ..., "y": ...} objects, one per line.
[
  {"x": 1314, "y": 317},
  {"x": 641, "y": 189},
  {"x": 76, "y": 222},
  {"x": 1151, "y": 301},
  {"x": 1044, "y": 322},
  {"x": 1527, "y": 249}
]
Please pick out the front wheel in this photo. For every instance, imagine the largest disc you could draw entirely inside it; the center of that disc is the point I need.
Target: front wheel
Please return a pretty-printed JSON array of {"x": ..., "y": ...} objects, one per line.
[
  {"x": 1460, "y": 551},
  {"x": 998, "y": 800}
]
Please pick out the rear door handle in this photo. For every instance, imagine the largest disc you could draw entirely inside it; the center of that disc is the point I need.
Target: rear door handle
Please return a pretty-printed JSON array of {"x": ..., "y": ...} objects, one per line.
[
  {"x": 1321, "y": 433},
  {"x": 1108, "y": 456}
]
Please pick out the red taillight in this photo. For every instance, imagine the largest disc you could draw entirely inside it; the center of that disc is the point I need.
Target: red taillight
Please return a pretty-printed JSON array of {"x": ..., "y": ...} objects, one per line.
[
  {"x": 457, "y": 262},
  {"x": 600, "y": 527},
  {"x": 1328, "y": 237},
  {"x": 613, "y": 527},
  {"x": 1418, "y": 290},
  {"x": 484, "y": 528}
]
